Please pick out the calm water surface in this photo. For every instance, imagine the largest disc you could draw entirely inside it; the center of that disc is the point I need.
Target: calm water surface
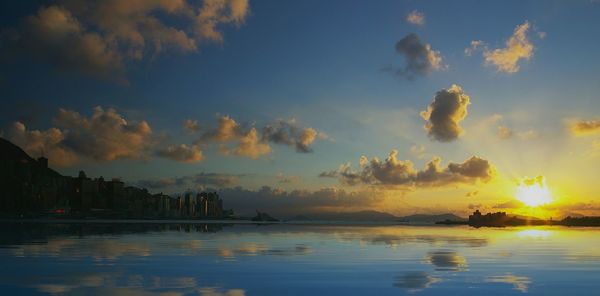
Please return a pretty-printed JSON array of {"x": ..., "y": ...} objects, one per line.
[{"x": 234, "y": 260}]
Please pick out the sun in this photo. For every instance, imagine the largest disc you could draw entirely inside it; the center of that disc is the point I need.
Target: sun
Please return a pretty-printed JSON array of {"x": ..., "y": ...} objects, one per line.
[{"x": 533, "y": 192}]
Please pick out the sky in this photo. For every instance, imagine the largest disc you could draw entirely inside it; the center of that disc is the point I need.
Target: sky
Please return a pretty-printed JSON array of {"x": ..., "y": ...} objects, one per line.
[{"x": 308, "y": 106}]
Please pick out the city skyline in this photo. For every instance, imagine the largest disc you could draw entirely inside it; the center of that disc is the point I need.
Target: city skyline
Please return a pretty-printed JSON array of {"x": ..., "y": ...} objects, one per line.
[{"x": 401, "y": 107}]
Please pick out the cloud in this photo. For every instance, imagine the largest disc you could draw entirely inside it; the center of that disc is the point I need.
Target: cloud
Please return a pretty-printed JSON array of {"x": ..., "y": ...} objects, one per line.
[
  {"x": 418, "y": 151},
  {"x": 227, "y": 129},
  {"x": 101, "y": 37},
  {"x": 197, "y": 181},
  {"x": 249, "y": 142},
  {"x": 518, "y": 47},
  {"x": 191, "y": 126},
  {"x": 182, "y": 153},
  {"x": 48, "y": 142},
  {"x": 416, "y": 18},
  {"x": 585, "y": 127},
  {"x": 504, "y": 132},
  {"x": 288, "y": 133},
  {"x": 474, "y": 206},
  {"x": 283, "y": 179},
  {"x": 419, "y": 57},
  {"x": 511, "y": 204},
  {"x": 472, "y": 193},
  {"x": 475, "y": 45},
  {"x": 105, "y": 136},
  {"x": 249, "y": 145},
  {"x": 394, "y": 172},
  {"x": 55, "y": 35},
  {"x": 444, "y": 114}
]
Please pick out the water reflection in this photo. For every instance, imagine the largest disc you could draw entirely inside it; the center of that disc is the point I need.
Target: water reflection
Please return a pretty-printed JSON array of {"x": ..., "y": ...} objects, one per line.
[
  {"x": 447, "y": 261},
  {"x": 215, "y": 259},
  {"x": 415, "y": 281},
  {"x": 519, "y": 283}
]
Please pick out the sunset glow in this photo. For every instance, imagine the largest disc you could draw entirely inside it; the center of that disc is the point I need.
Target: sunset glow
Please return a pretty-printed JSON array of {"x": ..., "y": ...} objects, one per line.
[{"x": 534, "y": 192}]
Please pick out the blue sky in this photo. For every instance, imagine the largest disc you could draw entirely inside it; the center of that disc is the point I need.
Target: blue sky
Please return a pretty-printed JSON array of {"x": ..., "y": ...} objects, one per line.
[{"x": 321, "y": 63}]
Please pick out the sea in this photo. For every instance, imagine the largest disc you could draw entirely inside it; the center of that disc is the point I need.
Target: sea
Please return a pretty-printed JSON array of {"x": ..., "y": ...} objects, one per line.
[{"x": 213, "y": 259}]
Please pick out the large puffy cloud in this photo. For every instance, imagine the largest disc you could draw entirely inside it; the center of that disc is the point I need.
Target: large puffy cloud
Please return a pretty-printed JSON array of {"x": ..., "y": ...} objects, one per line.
[
  {"x": 99, "y": 37},
  {"x": 48, "y": 143},
  {"x": 419, "y": 57},
  {"x": 394, "y": 172},
  {"x": 250, "y": 145},
  {"x": 518, "y": 47},
  {"x": 56, "y": 36},
  {"x": 104, "y": 136},
  {"x": 252, "y": 142},
  {"x": 182, "y": 153},
  {"x": 585, "y": 127},
  {"x": 444, "y": 114}
]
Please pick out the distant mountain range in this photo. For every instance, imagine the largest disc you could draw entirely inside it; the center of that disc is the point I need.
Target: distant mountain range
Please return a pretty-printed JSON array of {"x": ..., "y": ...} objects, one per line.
[{"x": 375, "y": 216}]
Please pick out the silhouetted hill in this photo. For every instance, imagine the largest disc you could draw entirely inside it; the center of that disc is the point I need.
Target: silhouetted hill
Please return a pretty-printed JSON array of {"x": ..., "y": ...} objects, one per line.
[
  {"x": 362, "y": 216},
  {"x": 12, "y": 152},
  {"x": 13, "y": 158}
]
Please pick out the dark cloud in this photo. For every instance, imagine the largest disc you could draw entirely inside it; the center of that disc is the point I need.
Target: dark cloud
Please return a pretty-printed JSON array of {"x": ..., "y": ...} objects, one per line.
[
  {"x": 288, "y": 133},
  {"x": 444, "y": 114},
  {"x": 420, "y": 59},
  {"x": 197, "y": 181},
  {"x": 101, "y": 37},
  {"x": 396, "y": 172}
]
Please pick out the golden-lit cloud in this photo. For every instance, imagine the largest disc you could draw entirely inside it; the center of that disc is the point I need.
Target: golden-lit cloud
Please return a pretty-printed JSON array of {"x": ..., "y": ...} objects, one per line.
[
  {"x": 518, "y": 47},
  {"x": 585, "y": 127},
  {"x": 182, "y": 153},
  {"x": 394, "y": 172},
  {"x": 444, "y": 114},
  {"x": 104, "y": 136},
  {"x": 473, "y": 46},
  {"x": 253, "y": 143},
  {"x": 504, "y": 132},
  {"x": 250, "y": 145},
  {"x": 191, "y": 126},
  {"x": 101, "y": 37},
  {"x": 416, "y": 18},
  {"x": 420, "y": 58}
]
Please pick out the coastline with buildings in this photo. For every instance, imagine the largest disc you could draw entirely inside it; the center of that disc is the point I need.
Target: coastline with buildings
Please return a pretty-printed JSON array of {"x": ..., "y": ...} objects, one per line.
[{"x": 30, "y": 189}]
